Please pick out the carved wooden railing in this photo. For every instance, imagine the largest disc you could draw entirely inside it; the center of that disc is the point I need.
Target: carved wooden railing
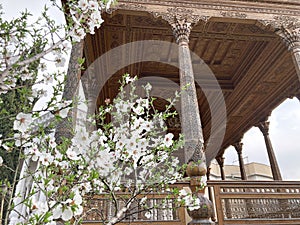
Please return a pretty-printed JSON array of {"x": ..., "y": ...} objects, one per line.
[
  {"x": 100, "y": 208},
  {"x": 256, "y": 202}
]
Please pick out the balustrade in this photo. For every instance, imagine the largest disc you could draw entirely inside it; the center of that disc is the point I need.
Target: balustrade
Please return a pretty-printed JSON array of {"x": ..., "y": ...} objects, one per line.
[
  {"x": 160, "y": 207},
  {"x": 257, "y": 202}
]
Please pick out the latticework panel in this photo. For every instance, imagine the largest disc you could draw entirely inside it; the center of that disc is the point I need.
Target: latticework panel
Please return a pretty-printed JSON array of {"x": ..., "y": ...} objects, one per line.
[
  {"x": 154, "y": 209},
  {"x": 257, "y": 202}
]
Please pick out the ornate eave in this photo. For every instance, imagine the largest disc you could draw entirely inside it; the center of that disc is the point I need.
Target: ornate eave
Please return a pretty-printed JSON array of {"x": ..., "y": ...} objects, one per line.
[
  {"x": 256, "y": 73},
  {"x": 275, "y": 12}
]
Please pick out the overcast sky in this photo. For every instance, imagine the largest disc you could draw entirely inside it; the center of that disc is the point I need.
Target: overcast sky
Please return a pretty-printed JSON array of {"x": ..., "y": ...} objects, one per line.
[
  {"x": 285, "y": 137},
  {"x": 284, "y": 121}
]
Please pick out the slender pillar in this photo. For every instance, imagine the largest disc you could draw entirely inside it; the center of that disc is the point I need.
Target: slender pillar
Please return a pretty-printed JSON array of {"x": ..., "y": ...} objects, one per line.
[
  {"x": 64, "y": 129},
  {"x": 91, "y": 87},
  {"x": 210, "y": 196},
  {"x": 228, "y": 212},
  {"x": 239, "y": 148},
  {"x": 191, "y": 123},
  {"x": 264, "y": 128},
  {"x": 291, "y": 37},
  {"x": 220, "y": 161}
]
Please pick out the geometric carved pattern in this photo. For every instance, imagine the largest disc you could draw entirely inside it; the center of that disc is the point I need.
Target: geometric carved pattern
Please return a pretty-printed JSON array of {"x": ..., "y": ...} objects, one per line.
[
  {"x": 251, "y": 64},
  {"x": 160, "y": 209},
  {"x": 273, "y": 202}
]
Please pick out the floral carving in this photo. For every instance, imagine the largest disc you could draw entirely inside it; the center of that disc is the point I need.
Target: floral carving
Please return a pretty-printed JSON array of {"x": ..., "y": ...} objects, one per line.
[
  {"x": 281, "y": 21},
  {"x": 177, "y": 13},
  {"x": 233, "y": 14}
]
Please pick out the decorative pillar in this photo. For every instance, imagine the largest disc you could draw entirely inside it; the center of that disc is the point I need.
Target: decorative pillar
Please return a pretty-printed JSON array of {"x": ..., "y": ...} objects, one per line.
[
  {"x": 91, "y": 87},
  {"x": 220, "y": 161},
  {"x": 210, "y": 196},
  {"x": 64, "y": 129},
  {"x": 228, "y": 212},
  {"x": 291, "y": 37},
  {"x": 191, "y": 123},
  {"x": 264, "y": 128},
  {"x": 239, "y": 148}
]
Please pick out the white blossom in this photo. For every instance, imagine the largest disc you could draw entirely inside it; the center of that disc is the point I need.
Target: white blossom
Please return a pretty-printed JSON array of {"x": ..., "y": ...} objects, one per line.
[
  {"x": 73, "y": 155},
  {"x": 22, "y": 122},
  {"x": 60, "y": 61},
  {"x": 168, "y": 140},
  {"x": 46, "y": 158},
  {"x": 83, "y": 5},
  {"x": 93, "y": 5},
  {"x": 48, "y": 79},
  {"x": 1, "y": 161},
  {"x": 39, "y": 207}
]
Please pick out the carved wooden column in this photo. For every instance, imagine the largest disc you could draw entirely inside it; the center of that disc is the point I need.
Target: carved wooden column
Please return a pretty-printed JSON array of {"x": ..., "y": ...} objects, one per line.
[
  {"x": 239, "y": 148},
  {"x": 210, "y": 196},
  {"x": 191, "y": 123},
  {"x": 264, "y": 128},
  {"x": 91, "y": 88},
  {"x": 220, "y": 161},
  {"x": 64, "y": 129},
  {"x": 291, "y": 37}
]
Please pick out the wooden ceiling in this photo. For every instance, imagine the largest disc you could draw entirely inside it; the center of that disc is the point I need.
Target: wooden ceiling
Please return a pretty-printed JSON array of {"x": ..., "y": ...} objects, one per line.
[{"x": 251, "y": 64}]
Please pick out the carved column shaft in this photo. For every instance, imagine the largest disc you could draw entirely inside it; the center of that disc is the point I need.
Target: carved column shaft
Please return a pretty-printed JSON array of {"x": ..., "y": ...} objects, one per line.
[
  {"x": 264, "y": 128},
  {"x": 239, "y": 148},
  {"x": 64, "y": 129},
  {"x": 191, "y": 123},
  {"x": 220, "y": 161},
  {"x": 91, "y": 87},
  {"x": 210, "y": 195}
]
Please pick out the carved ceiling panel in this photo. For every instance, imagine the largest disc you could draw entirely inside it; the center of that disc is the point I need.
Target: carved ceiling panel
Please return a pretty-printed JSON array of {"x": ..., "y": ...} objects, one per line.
[
  {"x": 218, "y": 27},
  {"x": 250, "y": 29},
  {"x": 251, "y": 64}
]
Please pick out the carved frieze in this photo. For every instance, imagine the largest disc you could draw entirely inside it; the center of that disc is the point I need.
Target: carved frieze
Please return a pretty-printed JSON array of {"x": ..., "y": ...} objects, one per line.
[
  {"x": 233, "y": 14},
  {"x": 177, "y": 13},
  {"x": 218, "y": 6},
  {"x": 136, "y": 7},
  {"x": 279, "y": 21}
]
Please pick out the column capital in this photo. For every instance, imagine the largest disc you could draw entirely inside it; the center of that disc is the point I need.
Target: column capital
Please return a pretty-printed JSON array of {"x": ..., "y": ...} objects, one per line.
[
  {"x": 181, "y": 20},
  {"x": 181, "y": 31},
  {"x": 264, "y": 127},
  {"x": 238, "y": 147},
  {"x": 290, "y": 36},
  {"x": 208, "y": 172},
  {"x": 220, "y": 160}
]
